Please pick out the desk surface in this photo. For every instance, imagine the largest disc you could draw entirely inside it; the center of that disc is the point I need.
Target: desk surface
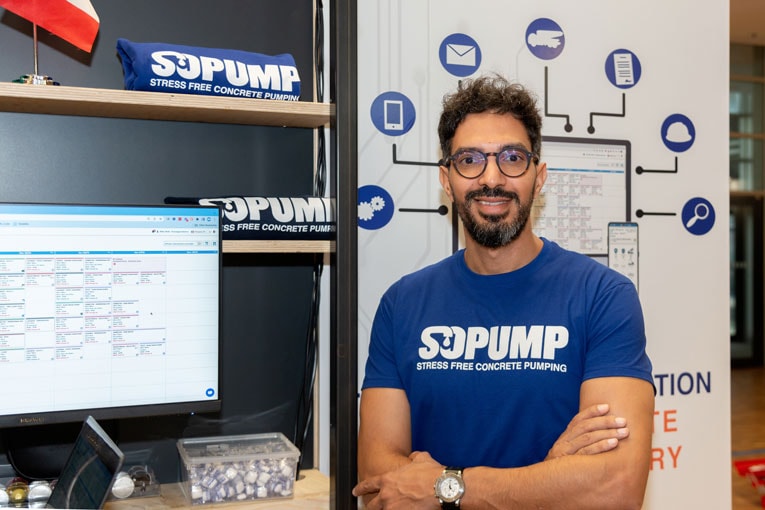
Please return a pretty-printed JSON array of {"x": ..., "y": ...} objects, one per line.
[{"x": 311, "y": 492}]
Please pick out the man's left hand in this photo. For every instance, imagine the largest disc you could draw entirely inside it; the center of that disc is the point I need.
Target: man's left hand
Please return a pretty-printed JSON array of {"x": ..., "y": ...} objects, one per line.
[{"x": 408, "y": 487}]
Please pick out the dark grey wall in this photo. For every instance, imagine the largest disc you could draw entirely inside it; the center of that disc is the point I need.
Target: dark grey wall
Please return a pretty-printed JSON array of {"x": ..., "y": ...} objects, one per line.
[{"x": 76, "y": 159}]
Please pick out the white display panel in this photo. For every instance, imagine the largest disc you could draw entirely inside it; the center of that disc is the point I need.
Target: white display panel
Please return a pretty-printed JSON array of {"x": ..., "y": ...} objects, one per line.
[
  {"x": 107, "y": 307},
  {"x": 624, "y": 249},
  {"x": 587, "y": 187}
]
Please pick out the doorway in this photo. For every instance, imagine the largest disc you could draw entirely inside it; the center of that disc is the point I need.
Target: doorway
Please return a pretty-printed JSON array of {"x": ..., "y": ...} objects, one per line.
[{"x": 746, "y": 284}]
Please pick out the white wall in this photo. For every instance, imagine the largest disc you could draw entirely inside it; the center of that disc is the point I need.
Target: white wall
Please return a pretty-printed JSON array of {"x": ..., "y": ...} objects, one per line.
[{"x": 681, "y": 52}]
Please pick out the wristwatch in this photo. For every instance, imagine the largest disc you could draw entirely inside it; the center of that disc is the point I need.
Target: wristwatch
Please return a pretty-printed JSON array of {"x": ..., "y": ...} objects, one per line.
[{"x": 450, "y": 487}]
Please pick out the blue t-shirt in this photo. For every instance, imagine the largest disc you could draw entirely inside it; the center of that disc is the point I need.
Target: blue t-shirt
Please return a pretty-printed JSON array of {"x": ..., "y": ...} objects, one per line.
[{"x": 492, "y": 364}]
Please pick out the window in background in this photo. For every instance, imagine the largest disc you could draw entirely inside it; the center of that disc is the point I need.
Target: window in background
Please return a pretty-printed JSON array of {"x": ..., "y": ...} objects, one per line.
[
  {"x": 747, "y": 134},
  {"x": 747, "y": 83}
]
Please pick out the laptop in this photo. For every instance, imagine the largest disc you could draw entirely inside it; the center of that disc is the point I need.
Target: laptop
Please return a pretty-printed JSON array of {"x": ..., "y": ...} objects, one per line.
[{"x": 90, "y": 470}]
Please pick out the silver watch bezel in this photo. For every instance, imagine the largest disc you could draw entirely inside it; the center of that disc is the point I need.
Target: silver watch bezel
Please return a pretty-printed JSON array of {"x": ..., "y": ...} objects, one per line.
[{"x": 450, "y": 474}]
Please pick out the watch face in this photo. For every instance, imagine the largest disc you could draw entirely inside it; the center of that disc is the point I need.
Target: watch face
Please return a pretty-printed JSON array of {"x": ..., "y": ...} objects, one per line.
[{"x": 450, "y": 488}]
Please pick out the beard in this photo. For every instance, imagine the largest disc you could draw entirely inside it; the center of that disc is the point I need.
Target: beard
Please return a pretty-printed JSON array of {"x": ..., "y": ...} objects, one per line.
[{"x": 495, "y": 231}]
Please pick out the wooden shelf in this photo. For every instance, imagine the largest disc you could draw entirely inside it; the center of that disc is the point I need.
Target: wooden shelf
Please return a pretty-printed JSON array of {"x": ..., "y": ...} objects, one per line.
[
  {"x": 278, "y": 246},
  {"x": 128, "y": 104},
  {"x": 311, "y": 492}
]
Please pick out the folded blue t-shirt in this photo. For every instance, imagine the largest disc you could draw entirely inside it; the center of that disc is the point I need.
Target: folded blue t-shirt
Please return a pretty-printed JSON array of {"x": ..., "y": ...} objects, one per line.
[
  {"x": 160, "y": 67},
  {"x": 273, "y": 218}
]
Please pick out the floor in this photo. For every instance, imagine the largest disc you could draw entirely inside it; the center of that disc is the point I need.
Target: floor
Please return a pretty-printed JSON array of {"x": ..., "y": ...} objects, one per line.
[{"x": 747, "y": 430}]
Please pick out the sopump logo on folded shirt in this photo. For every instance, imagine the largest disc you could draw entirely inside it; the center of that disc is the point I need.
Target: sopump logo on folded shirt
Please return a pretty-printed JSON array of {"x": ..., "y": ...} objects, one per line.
[
  {"x": 162, "y": 67},
  {"x": 310, "y": 218}
]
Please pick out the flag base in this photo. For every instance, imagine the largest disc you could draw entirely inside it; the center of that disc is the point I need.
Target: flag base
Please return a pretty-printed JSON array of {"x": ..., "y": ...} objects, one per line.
[{"x": 36, "y": 79}]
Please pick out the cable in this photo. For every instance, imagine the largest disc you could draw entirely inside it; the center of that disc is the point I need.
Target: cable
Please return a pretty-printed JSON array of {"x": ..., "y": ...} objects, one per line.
[
  {"x": 76, "y": 478},
  {"x": 16, "y": 466},
  {"x": 304, "y": 415},
  {"x": 320, "y": 177}
]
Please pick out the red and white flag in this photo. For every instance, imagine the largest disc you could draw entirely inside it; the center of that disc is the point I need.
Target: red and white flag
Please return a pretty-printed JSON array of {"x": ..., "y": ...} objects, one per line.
[{"x": 75, "y": 21}]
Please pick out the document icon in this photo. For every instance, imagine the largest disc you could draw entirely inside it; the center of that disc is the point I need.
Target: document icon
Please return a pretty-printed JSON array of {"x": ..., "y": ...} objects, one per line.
[
  {"x": 460, "y": 55},
  {"x": 623, "y": 69}
]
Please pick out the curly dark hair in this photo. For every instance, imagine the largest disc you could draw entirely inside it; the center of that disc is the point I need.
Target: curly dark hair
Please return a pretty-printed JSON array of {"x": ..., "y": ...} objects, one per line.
[{"x": 494, "y": 94}]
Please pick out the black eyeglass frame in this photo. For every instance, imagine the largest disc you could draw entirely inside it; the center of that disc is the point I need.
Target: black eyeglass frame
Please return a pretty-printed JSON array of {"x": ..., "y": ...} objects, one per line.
[{"x": 529, "y": 157}]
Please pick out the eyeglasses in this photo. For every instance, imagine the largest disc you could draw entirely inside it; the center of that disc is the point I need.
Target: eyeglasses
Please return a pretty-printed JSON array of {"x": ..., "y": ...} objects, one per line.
[{"x": 471, "y": 163}]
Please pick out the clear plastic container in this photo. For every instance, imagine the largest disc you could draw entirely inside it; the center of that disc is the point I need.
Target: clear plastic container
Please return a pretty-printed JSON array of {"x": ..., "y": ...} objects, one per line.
[{"x": 238, "y": 468}]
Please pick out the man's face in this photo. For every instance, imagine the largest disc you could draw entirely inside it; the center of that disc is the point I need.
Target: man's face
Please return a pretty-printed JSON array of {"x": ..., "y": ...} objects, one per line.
[{"x": 494, "y": 208}]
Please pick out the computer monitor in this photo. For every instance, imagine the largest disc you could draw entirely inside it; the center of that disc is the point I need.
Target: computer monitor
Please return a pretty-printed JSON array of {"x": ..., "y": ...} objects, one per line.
[
  {"x": 111, "y": 311},
  {"x": 588, "y": 186}
]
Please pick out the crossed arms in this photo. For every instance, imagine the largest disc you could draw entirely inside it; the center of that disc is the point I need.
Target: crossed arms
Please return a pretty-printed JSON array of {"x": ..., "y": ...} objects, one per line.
[{"x": 600, "y": 461}]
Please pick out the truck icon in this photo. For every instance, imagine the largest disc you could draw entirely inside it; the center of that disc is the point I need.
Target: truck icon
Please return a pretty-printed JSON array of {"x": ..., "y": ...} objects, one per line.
[{"x": 549, "y": 38}]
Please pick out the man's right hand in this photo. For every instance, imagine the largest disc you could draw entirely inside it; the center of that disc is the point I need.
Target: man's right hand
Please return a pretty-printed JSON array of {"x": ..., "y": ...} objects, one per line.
[{"x": 590, "y": 432}]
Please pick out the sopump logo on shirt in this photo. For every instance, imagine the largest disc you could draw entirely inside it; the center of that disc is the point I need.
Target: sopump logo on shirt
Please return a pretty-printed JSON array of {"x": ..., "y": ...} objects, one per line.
[{"x": 506, "y": 348}]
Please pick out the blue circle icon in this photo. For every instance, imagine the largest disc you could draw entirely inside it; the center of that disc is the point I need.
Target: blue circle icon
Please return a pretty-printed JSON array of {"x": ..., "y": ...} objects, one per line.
[
  {"x": 698, "y": 216},
  {"x": 545, "y": 38},
  {"x": 460, "y": 55},
  {"x": 623, "y": 69},
  {"x": 678, "y": 133},
  {"x": 210, "y": 392},
  {"x": 393, "y": 113},
  {"x": 375, "y": 207}
]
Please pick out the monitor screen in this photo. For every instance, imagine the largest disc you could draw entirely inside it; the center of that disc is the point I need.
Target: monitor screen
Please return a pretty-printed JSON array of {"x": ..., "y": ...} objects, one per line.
[
  {"x": 588, "y": 186},
  {"x": 108, "y": 310}
]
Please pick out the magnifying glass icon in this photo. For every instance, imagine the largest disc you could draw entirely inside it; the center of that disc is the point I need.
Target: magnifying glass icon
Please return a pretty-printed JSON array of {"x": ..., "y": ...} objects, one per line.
[{"x": 700, "y": 212}]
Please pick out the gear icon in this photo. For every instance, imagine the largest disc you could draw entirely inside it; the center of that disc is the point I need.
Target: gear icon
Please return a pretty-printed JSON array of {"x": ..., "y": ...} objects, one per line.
[
  {"x": 366, "y": 211},
  {"x": 377, "y": 203}
]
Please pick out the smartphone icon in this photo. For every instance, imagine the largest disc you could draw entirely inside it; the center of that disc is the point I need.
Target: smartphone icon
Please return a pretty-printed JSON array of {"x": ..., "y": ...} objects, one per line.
[
  {"x": 393, "y": 114},
  {"x": 623, "y": 249}
]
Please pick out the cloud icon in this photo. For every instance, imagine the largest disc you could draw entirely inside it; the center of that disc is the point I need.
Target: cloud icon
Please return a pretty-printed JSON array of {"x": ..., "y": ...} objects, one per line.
[{"x": 677, "y": 132}]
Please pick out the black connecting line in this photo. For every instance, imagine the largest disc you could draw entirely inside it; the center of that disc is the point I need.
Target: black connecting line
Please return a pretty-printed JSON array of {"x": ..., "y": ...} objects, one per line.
[
  {"x": 568, "y": 127},
  {"x": 591, "y": 127},
  {"x": 442, "y": 210},
  {"x": 640, "y": 170},
  {"x": 640, "y": 213},
  {"x": 397, "y": 161}
]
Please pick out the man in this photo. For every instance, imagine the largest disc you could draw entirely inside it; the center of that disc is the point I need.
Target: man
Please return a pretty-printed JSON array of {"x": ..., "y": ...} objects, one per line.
[{"x": 512, "y": 374}]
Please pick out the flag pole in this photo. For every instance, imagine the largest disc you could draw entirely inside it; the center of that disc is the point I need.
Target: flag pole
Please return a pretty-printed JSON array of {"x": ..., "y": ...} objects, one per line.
[
  {"x": 36, "y": 78},
  {"x": 34, "y": 39}
]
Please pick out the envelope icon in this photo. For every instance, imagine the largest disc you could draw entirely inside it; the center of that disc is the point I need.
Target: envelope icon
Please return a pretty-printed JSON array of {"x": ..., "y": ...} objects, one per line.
[{"x": 460, "y": 55}]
